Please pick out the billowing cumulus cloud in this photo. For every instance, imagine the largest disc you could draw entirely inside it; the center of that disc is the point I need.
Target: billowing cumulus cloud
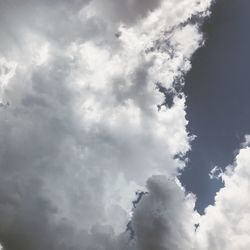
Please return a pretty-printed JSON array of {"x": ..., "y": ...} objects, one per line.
[
  {"x": 164, "y": 219},
  {"x": 82, "y": 125},
  {"x": 226, "y": 224}
]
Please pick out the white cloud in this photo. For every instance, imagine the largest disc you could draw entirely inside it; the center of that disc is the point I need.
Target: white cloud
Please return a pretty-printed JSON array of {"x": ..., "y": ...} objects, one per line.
[
  {"x": 216, "y": 173},
  {"x": 225, "y": 225},
  {"x": 83, "y": 131}
]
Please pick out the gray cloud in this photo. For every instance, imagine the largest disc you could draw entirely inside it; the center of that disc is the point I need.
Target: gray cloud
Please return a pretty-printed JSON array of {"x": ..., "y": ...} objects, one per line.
[
  {"x": 126, "y": 11},
  {"x": 164, "y": 219},
  {"x": 82, "y": 132}
]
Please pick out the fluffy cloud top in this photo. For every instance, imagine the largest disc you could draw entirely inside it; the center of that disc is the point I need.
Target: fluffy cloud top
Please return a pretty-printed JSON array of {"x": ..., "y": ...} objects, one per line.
[
  {"x": 82, "y": 125},
  {"x": 225, "y": 225}
]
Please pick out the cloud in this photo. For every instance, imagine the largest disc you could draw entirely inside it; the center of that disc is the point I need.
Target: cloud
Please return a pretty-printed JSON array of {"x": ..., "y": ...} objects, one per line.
[
  {"x": 165, "y": 218},
  {"x": 83, "y": 130},
  {"x": 126, "y": 11},
  {"x": 225, "y": 225}
]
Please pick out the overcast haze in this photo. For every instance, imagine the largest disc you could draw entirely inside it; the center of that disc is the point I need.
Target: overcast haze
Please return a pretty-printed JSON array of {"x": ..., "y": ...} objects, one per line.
[{"x": 98, "y": 121}]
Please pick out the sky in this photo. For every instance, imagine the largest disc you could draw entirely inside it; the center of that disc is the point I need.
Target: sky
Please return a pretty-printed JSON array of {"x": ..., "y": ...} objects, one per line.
[
  {"x": 123, "y": 125},
  {"x": 217, "y": 89}
]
